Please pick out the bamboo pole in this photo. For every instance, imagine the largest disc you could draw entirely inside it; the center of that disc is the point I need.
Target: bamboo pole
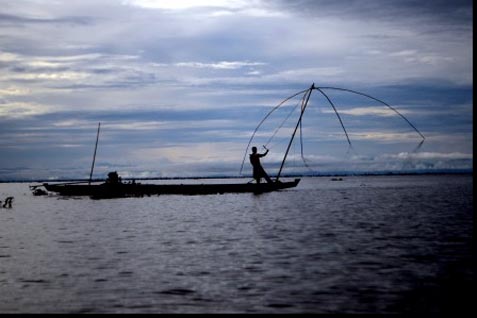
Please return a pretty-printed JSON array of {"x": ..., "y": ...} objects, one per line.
[
  {"x": 296, "y": 128},
  {"x": 94, "y": 155}
]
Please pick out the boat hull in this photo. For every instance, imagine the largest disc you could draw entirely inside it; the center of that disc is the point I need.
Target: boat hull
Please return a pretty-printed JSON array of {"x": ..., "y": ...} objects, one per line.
[{"x": 106, "y": 190}]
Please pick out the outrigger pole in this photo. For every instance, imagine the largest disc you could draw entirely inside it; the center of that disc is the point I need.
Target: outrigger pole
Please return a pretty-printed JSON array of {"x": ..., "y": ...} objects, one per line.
[
  {"x": 298, "y": 124},
  {"x": 94, "y": 155}
]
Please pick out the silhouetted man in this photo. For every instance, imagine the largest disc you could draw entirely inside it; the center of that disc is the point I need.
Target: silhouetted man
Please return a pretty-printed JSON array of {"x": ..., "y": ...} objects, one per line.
[{"x": 258, "y": 171}]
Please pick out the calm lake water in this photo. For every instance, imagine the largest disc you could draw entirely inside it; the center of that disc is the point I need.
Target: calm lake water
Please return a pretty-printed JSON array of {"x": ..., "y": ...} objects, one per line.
[{"x": 376, "y": 244}]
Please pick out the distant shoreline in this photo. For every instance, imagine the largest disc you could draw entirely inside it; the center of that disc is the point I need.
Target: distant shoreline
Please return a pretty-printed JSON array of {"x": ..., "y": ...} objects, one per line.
[{"x": 331, "y": 174}]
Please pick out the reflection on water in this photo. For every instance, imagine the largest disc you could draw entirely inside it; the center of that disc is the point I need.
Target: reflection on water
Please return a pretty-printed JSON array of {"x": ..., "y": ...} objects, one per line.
[{"x": 390, "y": 244}]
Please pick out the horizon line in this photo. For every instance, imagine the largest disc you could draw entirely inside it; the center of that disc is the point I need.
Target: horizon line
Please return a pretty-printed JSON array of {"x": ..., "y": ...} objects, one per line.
[{"x": 323, "y": 174}]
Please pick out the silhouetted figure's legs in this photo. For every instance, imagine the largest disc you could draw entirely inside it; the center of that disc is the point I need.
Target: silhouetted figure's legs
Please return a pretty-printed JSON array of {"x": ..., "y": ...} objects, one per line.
[{"x": 265, "y": 175}]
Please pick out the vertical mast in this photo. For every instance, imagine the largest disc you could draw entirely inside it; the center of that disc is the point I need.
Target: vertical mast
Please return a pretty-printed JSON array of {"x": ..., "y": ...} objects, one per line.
[
  {"x": 94, "y": 155},
  {"x": 296, "y": 128}
]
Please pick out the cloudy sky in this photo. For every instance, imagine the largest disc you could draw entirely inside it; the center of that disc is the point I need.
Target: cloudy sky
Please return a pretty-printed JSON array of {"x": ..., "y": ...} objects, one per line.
[{"x": 179, "y": 85}]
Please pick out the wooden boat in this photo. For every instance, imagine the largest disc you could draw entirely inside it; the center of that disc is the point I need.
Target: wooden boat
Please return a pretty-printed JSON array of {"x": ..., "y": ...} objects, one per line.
[
  {"x": 113, "y": 187},
  {"x": 114, "y": 190}
]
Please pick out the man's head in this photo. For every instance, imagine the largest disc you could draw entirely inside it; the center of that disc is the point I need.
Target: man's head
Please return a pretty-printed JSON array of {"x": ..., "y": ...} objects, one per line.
[{"x": 254, "y": 149}]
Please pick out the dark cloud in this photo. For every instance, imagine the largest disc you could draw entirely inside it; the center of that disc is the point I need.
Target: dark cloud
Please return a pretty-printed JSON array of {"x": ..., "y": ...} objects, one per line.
[
  {"x": 453, "y": 11},
  {"x": 15, "y": 20}
]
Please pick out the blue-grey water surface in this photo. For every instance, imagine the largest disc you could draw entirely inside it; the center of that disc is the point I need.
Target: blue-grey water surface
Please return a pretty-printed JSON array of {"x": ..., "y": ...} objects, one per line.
[{"x": 366, "y": 244}]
